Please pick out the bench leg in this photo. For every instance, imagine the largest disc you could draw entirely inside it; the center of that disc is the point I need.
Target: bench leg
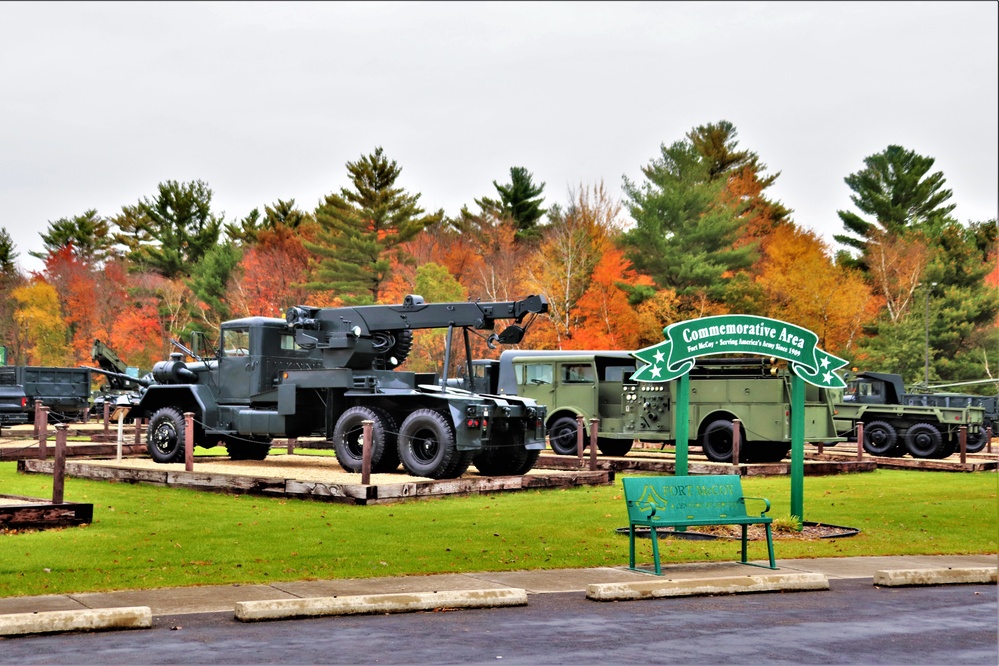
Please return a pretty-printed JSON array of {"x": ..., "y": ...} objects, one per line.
[
  {"x": 655, "y": 549},
  {"x": 745, "y": 536},
  {"x": 770, "y": 547},
  {"x": 631, "y": 547}
]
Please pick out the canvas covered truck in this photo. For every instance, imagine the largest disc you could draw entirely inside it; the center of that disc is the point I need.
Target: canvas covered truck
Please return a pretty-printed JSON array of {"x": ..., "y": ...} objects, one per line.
[
  {"x": 598, "y": 384},
  {"x": 894, "y": 425},
  {"x": 324, "y": 371}
]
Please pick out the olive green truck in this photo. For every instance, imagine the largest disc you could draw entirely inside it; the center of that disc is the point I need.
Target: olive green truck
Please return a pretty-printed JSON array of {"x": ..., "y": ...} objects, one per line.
[{"x": 598, "y": 384}]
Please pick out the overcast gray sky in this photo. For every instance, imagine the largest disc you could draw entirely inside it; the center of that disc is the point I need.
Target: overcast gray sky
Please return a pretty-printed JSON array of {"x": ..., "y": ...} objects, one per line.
[{"x": 100, "y": 102}]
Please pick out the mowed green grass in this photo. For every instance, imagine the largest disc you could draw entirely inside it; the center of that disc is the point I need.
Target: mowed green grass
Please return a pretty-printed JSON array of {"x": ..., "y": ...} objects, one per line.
[{"x": 145, "y": 536}]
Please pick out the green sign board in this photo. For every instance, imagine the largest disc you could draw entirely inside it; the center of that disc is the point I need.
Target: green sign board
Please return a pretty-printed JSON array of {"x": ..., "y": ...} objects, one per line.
[
  {"x": 3, "y": 356},
  {"x": 738, "y": 334}
]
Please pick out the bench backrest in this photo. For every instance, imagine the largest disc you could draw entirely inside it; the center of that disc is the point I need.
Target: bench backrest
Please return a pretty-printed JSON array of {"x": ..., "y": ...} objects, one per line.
[{"x": 668, "y": 499}]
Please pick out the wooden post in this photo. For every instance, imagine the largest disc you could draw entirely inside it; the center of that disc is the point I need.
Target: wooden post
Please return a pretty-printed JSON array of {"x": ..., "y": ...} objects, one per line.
[
  {"x": 593, "y": 444},
  {"x": 121, "y": 432},
  {"x": 860, "y": 441},
  {"x": 59, "y": 467},
  {"x": 138, "y": 431},
  {"x": 820, "y": 448},
  {"x": 42, "y": 424},
  {"x": 291, "y": 444},
  {"x": 189, "y": 441},
  {"x": 38, "y": 415},
  {"x": 988, "y": 438},
  {"x": 580, "y": 429},
  {"x": 107, "y": 420},
  {"x": 962, "y": 438},
  {"x": 736, "y": 442},
  {"x": 366, "y": 427}
]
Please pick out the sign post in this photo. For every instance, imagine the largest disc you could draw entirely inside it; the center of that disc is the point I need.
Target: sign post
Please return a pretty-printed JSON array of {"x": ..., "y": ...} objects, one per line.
[{"x": 689, "y": 340}]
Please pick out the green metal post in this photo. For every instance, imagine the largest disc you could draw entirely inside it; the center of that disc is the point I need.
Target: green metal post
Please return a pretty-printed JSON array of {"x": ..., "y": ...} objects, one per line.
[
  {"x": 681, "y": 416},
  {"x": 797, "y": 446}
]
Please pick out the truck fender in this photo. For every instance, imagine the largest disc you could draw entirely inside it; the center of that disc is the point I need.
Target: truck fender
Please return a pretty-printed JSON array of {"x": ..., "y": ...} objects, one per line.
[{"x": 188, "y": 397}]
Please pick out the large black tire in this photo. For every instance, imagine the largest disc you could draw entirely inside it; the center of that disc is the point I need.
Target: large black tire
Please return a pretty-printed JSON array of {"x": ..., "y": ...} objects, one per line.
[
  {"x": 509, "y": 458},
  {"x": 766, "y": 452},
  {"x": 923, "y": 440},
  {"x": 717, "y": 441},
  {"x": 165, "y": 435},
  {"x": 427, "y": 446},
  {"x": 880, "y": 438},
  {"x": 348, "y": 439},
  {"x": 562, "y": 436},
  {"x": 241, "y": 447},
  {"x": 979, "y": 441},
  {"x": 614, "y": 447}
]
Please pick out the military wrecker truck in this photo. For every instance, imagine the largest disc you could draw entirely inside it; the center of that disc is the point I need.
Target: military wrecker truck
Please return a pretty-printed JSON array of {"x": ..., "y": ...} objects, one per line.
[
  {"x": 323, "y": 371},
  {"x": 896, "y": 423},
  {"x": 597, "y": 384}
]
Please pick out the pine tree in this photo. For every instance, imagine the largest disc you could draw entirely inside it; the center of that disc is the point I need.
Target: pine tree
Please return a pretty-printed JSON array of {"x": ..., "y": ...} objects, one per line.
[
  {"x": 520, "y": 200},
  {"x": 896, "y": 190},
  {"x": 360, "y": 227},
  {"x": 171, "y": 233},
  {"x": 88, "y": 235}
]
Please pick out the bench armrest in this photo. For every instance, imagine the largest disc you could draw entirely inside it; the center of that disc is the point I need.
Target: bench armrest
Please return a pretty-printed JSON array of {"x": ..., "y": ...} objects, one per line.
[{"x": 763, "y": 499}]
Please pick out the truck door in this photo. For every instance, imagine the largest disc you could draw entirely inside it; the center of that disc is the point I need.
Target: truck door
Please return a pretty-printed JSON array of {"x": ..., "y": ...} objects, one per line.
[
  {"x": 536, "y": 381},
  {"x": 577, "y": 385},
  {"x": 236, "y": 365}
]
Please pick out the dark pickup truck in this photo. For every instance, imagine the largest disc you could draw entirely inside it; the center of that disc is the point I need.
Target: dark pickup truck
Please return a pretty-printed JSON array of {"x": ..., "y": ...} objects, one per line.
[{"x": 13, "y": 405}]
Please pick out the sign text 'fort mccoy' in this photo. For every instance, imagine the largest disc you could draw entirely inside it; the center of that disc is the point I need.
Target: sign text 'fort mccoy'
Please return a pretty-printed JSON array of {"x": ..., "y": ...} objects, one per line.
[{"x": 739, "y": 334}]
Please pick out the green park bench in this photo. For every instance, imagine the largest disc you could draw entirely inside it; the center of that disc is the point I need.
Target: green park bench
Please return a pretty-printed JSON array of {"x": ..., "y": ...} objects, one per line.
[{"x": 690, "y": 501}]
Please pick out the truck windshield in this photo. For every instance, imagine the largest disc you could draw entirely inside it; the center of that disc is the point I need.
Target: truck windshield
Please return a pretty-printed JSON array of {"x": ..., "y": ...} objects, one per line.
[{"x": 236, "y": 342}]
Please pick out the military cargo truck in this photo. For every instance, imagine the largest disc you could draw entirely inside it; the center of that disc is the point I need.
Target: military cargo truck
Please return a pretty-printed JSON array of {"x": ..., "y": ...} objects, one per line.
[
  {"x": 896, "y": 423},
  {"x": 65, "y": 391},
  {"x": 324, "y": 371},
  {"x": 597, "y": 384}
]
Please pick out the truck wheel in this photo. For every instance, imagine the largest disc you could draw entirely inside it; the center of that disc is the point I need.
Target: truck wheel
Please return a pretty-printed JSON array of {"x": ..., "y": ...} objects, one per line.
[
  {"x": 614, "y": 447},
  {"x": 165, "y": 436},
  {"x": 880, "y": 439},
  {"x": 390, "y": 456},
  {"x": 427, "y": 445},
  {"x": 509, "y": 458},
  {"x": 923, "y": 440},
  {"x": 562, "y": 436},
  {"x": 717, "y": 441},
  {"x": 976, "y": 444},
  {"x": 348, "y": 438},
  {"x": 246, "y": 448}
]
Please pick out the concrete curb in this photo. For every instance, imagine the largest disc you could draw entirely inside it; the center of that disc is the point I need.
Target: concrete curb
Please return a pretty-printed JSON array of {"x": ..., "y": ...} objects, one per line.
[
  {"x": 251, "y": 611},
  {"x": 704, "y": 586},
  {"x": 100, "y": 619},
  {"x": 949, "y": 576}
]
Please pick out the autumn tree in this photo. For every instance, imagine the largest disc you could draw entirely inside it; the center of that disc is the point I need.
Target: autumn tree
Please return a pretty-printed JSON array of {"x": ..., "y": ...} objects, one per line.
[
  {"x": 38, "y": 316},
  {"x": 360, "y": 227},
  {"x": 805, "y": 287},
  {"x": 271, "y": 274},
  {"x": 436, "y": 285},
  {"x": 170, "y": 233},
  {"x": 562, "y": 267},
  {"x": 608, "y": 319}
]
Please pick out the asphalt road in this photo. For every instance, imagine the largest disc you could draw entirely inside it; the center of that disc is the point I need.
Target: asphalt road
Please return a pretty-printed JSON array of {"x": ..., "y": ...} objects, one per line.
[{"x": 852, "y": 623}]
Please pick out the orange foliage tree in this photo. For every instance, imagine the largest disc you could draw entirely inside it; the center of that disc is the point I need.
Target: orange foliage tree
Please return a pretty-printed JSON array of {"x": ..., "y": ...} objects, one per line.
[
  {"x": 804, "y": 287},
  {"x": 607, "y": 319}
]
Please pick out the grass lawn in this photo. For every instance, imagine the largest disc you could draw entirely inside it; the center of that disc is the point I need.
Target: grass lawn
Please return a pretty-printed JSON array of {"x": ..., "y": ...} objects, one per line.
[{"x": 146, "y": 536}]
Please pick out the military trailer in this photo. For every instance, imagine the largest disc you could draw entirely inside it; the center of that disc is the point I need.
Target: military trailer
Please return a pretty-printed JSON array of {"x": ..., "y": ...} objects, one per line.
[
  {"x": 896, "y": 423},
  {"x": 65, "y": 391},
  {"x": 598, "y": 384},
  {"x": 324, "y": 371}
]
